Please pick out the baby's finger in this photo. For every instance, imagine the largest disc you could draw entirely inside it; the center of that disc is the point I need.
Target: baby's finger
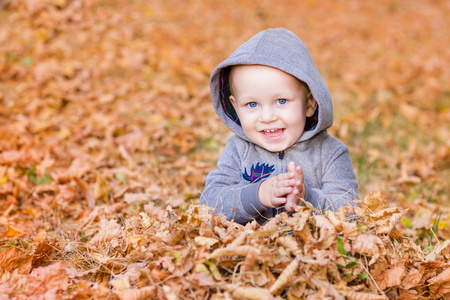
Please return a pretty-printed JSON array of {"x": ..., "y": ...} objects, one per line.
[
  {"x": 300, "y": 175},
  {"x": 281, "y": 191},
  {"x": 292, "y": 198},
  {"x": 291, "y": 167},
  {"x": 286, "y": 176},
  {"x": 290, "y": 206},
  {"x": 278, "y": 201},
  {"x": 286, "y": 183}
]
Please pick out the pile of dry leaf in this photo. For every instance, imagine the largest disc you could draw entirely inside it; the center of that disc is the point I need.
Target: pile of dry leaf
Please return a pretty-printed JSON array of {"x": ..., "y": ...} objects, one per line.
[
  {"x": 156, "y": 253},
  {"x": 107, "y": 133}
]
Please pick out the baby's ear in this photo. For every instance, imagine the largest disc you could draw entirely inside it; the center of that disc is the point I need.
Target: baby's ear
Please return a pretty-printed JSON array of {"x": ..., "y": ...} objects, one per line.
[
  {"x": 311, "y": 105},
  {"x": 233, "y": 101}
]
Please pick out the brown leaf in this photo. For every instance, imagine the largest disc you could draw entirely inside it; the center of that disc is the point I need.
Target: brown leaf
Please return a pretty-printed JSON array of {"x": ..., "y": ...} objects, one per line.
[
  {"x": 369, "y": 245},
  {"x": 396, "y": 234},
  {"x": 347, "y": 229},
  {"x": 327, "y": 232},
  {"x": 386, "y": 225},
  {"x": 437, "y": 250},
  {"x": 15, "y": 259},
  {"x": 110, "y": 229},
  {"x": 443, "y": 277},
  {"x": 42, "y": 253},
  {"x": 44, "y": 71},
  {"x": 290, "y": 244},
  {"x": 101, "y": 190},
  {"x": 235, "y": 251},
  {"x": 127, "y": 280},
  {"x": 48, "y": 280},
  {"x": 285, "y": 277},
  {"x": 86, "y": 192},
  {"x": 374, "y": 202},
  {"x": 251, "y": 293},
  {"x": 146, "y": 292},
  {"x": 331, "y": 216},
  {"x": 353, "y": 295},
  {"x": 201, "y": 279},
  {"x": 412, "y": 279},
  {"x": 389, "y": 277},
  {"x": 205, "y": 241}
]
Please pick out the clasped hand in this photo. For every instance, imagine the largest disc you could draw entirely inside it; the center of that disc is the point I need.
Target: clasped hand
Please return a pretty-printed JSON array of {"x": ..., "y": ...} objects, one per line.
[{"x": 286, "y": 188}]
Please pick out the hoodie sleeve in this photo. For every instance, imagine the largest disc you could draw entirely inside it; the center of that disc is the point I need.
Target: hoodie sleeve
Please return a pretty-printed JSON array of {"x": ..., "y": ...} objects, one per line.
[
  {"x": 226, "y": 191},
  {"x": 339, "y": 183}
]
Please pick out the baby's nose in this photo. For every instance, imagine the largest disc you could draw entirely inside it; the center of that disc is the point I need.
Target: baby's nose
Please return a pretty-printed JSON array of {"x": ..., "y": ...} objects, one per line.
[{"x": 267, "y": 115}]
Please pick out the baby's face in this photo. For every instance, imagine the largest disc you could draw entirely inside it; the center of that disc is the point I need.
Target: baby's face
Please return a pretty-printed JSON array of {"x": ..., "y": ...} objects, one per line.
[{"x": 271, "y": 104}]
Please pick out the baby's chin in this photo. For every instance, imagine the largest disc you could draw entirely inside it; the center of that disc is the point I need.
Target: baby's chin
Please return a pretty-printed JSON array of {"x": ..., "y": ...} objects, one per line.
[{"x": 274, "y": 148}]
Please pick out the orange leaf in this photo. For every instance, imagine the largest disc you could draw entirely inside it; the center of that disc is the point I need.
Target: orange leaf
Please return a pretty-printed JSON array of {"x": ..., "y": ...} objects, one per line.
[{"x": 13, "y": 232}]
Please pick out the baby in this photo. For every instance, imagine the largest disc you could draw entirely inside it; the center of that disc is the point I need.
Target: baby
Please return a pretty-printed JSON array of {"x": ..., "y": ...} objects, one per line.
[{"x": 271, "y": 95}]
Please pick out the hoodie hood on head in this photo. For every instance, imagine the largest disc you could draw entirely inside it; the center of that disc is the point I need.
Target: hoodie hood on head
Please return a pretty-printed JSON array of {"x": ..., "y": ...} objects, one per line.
[{"x": 281, "y": 49}]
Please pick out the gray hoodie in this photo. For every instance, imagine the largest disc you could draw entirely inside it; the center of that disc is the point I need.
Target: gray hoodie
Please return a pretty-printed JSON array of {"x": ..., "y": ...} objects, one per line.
[{"x": 232, "y": 189}]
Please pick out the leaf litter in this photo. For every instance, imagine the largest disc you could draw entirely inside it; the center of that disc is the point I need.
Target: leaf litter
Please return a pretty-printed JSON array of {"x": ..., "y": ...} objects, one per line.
[
  {"x": 102, "y": 160},
  {"x": 196, "y": 255}
]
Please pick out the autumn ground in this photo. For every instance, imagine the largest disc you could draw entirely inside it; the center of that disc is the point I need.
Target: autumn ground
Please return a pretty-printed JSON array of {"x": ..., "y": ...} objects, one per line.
[{"x": 107, "y": 133}]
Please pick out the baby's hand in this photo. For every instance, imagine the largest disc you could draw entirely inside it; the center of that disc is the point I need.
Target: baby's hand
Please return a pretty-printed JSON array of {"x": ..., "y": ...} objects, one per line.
[
  {"x": 298, "y": 190},
  {"x": 272, "y": 192}
]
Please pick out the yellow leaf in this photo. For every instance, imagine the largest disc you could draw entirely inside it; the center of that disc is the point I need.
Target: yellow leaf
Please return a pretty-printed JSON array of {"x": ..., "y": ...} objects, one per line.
[
  {"x": 60, "y": 3},
  {"x": 42, "y": 34},
  {"x": 3, "y": 180},
  {"x": 156, "y": 119},
  {"x": 13, "y": 232}
]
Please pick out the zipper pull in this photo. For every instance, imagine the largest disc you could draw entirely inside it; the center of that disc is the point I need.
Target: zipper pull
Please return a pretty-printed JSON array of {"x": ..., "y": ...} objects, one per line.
[{"x": 281, "y": 154}]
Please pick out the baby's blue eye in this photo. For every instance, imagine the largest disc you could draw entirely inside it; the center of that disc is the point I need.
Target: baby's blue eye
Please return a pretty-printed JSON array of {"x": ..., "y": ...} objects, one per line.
[
  {"x": 282, "y": 101},
  {"x": 252, "y": 104}
]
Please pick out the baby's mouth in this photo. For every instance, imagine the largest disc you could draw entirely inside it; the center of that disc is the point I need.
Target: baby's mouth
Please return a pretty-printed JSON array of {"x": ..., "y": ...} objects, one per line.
[{"x": 272, "y": 132}]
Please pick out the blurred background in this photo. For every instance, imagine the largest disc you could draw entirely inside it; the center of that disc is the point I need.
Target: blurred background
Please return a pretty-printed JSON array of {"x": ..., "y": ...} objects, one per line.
[{"x": 112, "y": 97}]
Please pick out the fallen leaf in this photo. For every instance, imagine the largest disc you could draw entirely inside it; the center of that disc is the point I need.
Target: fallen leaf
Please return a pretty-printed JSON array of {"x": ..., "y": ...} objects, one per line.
[
  {"x": 136, "y": 294},
  {"x": 101, "y": 190},
  {"x": 15, "y": 259}
]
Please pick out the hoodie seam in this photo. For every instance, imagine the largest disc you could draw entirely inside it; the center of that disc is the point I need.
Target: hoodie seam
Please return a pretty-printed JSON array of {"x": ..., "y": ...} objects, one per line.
[{"x": 250, "y": 58}]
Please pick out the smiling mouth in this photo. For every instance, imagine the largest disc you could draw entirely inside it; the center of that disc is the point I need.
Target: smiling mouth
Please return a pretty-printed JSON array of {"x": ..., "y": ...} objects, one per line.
[
  {"x": 272, "y": 133},
  {"x": 271, "y": 130}
]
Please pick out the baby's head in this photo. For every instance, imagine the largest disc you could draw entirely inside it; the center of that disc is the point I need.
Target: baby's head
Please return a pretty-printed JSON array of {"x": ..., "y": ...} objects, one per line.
[{"x": 271, "y": 104}]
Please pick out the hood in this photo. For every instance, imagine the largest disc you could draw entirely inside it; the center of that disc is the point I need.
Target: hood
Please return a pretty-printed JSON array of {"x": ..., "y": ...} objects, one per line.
[{"x": 281, "y": 49}]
